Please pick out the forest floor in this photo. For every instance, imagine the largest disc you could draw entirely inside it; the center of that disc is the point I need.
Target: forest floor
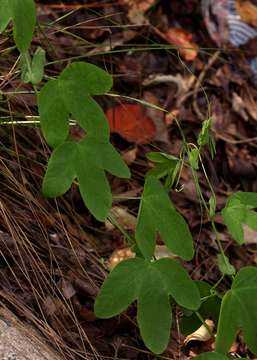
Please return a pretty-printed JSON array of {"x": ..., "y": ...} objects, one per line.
[{"x": 53, "y": 254}]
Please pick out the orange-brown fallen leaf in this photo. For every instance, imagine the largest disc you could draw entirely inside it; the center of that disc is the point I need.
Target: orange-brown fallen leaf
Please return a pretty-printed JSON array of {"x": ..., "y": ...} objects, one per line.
[
  {"x": 130, "y": 122},
  {"x": 247, "y": 11},
  {"x": 183, "y": 40}
]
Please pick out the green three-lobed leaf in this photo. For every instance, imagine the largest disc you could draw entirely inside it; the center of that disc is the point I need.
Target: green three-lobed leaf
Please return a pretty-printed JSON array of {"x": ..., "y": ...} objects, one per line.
[
  {"x": 157, "y": 214},
  {"x": 70, "y": 95},
  {"x": 86, "y": 161},
  {"x": 151, "y": 284},
  {"x": 23, "y": 15},
  {"x": 239, "y": 312}
]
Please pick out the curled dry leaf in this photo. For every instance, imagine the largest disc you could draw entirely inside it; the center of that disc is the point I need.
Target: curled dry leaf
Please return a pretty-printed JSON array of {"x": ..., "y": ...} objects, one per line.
[
  {"x": 184, "y": 41},
  {"x": 129, "y": 156},
  {"x": 118, "y": 256},
  {"x": 130, "y": 122},
  {"x": 201, "y": 334},
  {"x": 157, "y": 116},
  {"x": 123, "y": 217}
]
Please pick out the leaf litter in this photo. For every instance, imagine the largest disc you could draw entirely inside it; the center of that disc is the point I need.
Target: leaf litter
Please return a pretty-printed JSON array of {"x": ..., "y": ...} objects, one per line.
[{"x": 52, "y": 252}]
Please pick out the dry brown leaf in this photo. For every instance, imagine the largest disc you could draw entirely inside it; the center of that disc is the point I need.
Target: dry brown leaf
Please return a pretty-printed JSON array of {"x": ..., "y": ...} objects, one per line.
[
  {"x": 118, "y": 256},
  {"x": 250, "y": 235},
  {"x": 251, "y": 106},
  {"x": 184, "y": 41},
  {"x": 129, "y": 156},
  {"x": 244, "y": 106},
  {"x": 136, "y": 10},
  {"x": 238, "y": 106},
  {"x": 161, "y": 251},
  {"x": 157, "y": 117},
  {"x": 247, "y": 11},
  {"x": 202, "y": 333}
]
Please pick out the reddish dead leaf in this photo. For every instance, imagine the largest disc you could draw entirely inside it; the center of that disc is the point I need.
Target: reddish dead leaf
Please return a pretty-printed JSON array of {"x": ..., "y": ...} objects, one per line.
[
  {"x": 183, "y": 39},
  {"x": 130, "y": 121}
]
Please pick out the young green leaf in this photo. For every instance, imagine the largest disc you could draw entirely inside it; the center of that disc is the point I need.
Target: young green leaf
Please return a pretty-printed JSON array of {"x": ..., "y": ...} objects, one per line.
[
  {"x": 87, "y": 161},
  {"x": 224, "y": 265},
  {"x": 23, "y": 14},
  {"x": 194, "y": 158},
  {"x": 37, "y": 66},
  {"x": 211, "y": 356},
  {"x": 25, "y": 73},
  {"x": 203, "y": 136},
  {"x": 160, "y": 157},
  {"x": 165, "y": 164},
  {"x": 239, "y": 312},
  {"x": 156, "y": 214},
  {"x": 33, "y": 71},
  {"x": 212, "y": 206},
  {"x": 151, "y": 285},
  {"x": 246, "y": 198},
  {"x": 237, "y": 212}
]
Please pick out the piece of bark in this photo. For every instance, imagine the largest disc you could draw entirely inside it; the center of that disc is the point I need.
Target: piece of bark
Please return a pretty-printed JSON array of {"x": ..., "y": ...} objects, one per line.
[{"x": 20, "y": 342}]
